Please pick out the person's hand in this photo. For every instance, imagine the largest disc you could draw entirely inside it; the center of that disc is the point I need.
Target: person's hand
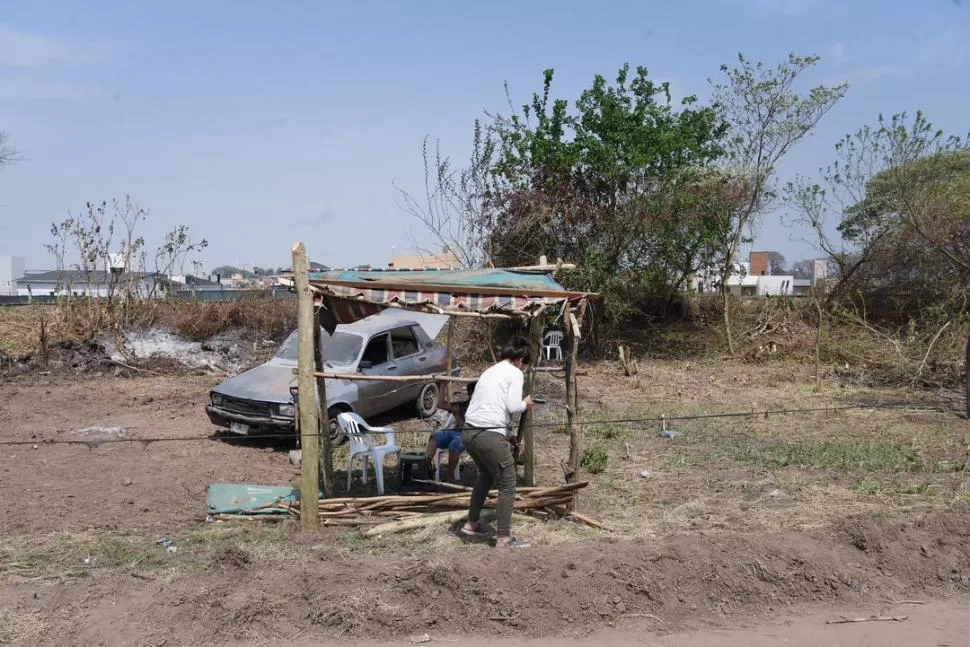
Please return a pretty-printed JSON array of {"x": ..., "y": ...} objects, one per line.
[{"x": 528, "y": 402}]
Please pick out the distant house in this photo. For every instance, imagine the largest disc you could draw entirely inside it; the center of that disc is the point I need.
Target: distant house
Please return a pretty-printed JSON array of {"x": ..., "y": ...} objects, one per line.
[
  {"x": 446, "y": 260},
  {"x": 753, "y": 278},
  {"x": 189, "y": 283},
  {"x": 94, "y": 284}
]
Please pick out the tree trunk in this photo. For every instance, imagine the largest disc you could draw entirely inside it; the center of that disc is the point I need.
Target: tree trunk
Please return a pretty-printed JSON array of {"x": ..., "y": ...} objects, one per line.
[{"x": 726, "y": 300}]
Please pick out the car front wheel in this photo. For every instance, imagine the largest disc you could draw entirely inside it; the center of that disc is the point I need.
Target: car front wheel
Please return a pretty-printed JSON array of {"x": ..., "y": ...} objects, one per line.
[{"x": 337, "y": 437}]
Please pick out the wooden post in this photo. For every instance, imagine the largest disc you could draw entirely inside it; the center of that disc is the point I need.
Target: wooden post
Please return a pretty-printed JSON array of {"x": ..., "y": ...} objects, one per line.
[
  {"x": 528, "y": 436},
  {"x": 323, "y": 415},
  {"x": 450, "y": 360},
  {"x": 572, "y": 396},
  {"x": 309, "y": 420}
]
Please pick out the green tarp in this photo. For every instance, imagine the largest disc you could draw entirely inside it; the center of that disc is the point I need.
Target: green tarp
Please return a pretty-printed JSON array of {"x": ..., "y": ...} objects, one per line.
[
  {"x": 243, "y": 498},
  {"x": 494, "y": 278}
]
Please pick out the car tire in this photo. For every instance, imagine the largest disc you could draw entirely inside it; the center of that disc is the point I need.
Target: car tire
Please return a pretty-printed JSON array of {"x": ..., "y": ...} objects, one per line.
[
  {"x": 337, "y": 437},
  {"x": 427, "y": 402}
]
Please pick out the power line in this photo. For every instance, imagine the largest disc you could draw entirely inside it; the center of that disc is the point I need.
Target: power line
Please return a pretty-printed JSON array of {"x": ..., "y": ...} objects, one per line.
[{"x": 586, "y": 423}]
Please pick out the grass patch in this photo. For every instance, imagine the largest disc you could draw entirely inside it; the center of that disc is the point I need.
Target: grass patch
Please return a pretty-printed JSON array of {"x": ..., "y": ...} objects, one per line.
[
  {"x": 869, "y": 488},
  {"x": 77, "y": 555},
  {"x": 594, "y": 458},
  {"x": 872, "y": 456}
]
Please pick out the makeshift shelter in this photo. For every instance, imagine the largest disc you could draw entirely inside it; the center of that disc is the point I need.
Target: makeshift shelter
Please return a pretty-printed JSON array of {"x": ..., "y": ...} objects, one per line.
[{"x": 348, "y": 295}]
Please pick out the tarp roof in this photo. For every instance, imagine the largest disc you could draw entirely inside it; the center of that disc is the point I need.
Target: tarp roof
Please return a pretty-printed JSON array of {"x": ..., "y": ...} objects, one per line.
[{"x": 352, "y": 294}]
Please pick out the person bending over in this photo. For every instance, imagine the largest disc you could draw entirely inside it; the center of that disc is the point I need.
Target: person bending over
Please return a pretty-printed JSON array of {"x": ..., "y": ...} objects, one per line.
[{"x": 486, "y": 437}]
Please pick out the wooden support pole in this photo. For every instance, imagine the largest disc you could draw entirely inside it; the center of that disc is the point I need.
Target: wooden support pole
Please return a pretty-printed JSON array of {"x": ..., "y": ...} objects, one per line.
[
  {"x": 309, "y": 420},
  {"x": 326, "y": 466},
  {"x": 449, "y": 360},
  {"x": 572, "y": 397},
  {"x": 360, "y": 377},
  {"x": 528, "y": 436}
]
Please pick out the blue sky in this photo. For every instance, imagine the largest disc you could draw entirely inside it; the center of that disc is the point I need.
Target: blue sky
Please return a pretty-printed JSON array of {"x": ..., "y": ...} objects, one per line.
[{"x": 259, "y": 123}]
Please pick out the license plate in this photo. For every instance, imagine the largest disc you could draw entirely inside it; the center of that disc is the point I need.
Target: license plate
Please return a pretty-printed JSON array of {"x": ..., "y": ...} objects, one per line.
[{"x": 238, "y": 428}]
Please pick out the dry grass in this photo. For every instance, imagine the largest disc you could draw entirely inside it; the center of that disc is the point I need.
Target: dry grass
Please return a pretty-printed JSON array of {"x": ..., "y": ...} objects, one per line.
[
  {"x": 21, "y": 628},
  {"x": 26, "y": 330}
]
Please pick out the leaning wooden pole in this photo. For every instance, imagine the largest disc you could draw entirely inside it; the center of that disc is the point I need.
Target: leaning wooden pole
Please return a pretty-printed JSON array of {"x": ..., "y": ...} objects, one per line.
[
  {"x": 326, "y": 457},
  {"x": 449, "y": 363},
  {"x": 528, "y": 435},
  {"x": 309, "y": 419},
  {"x": 571, "y": 325}
]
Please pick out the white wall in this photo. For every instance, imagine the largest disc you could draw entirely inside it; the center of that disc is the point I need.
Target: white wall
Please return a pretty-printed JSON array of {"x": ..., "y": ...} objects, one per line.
[
  {"x": 775, "y": 285},
  {"x": 11, "y": 269}
]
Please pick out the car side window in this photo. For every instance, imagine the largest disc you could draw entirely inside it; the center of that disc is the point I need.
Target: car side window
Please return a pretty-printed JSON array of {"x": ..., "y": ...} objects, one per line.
[
  {"x": 403, "y": 342},
  {"x": 376, "y": 351}
]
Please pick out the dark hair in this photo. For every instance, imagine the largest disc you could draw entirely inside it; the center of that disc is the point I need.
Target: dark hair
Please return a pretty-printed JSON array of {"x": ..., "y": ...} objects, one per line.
[
  {"x": 470, "y": 387},
  {"x": 518, "y": 349}
]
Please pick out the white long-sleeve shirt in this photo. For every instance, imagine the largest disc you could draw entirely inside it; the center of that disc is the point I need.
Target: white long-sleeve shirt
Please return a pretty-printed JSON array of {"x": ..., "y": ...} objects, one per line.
[{"x": 498, "y": 395}]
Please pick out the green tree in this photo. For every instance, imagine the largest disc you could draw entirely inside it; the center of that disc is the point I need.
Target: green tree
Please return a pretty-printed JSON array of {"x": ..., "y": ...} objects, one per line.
[
  {"x": 767, "y": 116},
  {"x": 615, "y": 184},
  {"x": 899, "y": 196}
]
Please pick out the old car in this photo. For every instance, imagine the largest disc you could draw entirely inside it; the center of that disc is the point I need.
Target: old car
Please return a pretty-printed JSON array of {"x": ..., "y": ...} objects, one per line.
[{"x": 258, "y": 402}]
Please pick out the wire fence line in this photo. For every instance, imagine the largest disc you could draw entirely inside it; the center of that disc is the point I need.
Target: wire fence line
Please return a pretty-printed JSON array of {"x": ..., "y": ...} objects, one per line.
[{"x": 94, "y": 442}]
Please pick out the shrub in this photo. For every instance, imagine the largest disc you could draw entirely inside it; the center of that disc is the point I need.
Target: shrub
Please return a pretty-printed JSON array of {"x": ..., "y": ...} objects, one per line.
[{"x": 594, "y": 459}]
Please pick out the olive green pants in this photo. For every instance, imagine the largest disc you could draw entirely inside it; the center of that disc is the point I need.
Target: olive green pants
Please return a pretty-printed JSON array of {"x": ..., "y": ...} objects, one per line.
[{"x": 493, "y": 457}]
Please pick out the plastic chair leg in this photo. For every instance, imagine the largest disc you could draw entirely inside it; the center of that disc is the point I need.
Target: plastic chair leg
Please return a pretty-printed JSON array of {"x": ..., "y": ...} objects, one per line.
[
  {"x": 437, "y": 464},
  {"x": 379, "y": 473},
  {"x": 350, "y": 471},
  {"x": 363, "y": 469}
]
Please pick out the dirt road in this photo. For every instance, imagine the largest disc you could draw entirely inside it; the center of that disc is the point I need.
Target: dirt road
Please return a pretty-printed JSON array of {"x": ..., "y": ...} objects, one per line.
[{"x": 937, "y": 624}]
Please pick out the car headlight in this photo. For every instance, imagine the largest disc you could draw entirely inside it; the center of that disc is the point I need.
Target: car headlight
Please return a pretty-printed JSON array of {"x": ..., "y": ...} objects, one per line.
[
  {"x": 287, "y": 410},
  {"x": 216, "y": 400}
]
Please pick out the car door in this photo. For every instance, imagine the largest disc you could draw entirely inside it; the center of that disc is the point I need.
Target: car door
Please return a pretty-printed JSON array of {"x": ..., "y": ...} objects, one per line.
[
  {"x": 375, "y": 396},
  {"x": 411, "y": 359}
]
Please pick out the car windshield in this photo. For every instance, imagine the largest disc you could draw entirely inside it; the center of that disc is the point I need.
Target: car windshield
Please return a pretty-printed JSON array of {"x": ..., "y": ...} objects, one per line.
[{"x": 341, "y": 349}]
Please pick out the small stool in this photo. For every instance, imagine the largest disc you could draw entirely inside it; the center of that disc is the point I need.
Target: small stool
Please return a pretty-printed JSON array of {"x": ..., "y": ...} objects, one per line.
[{"x": 410, "y": 466}]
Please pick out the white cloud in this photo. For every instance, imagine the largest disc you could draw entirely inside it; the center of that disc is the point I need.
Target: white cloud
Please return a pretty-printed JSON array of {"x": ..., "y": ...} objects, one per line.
[
  {"x": 23, "y": 49},
  {"x": 945, "y": 48},
  {"x": 837, "y": 54},
  {"x": 43, "y": 89},
  {"x": 786, "y": 7},
  {"x": 941, "y": 50}
]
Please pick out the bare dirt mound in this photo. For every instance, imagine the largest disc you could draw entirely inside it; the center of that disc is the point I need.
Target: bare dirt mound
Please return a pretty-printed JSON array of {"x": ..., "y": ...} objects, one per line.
[{"x": 682, "y": 582}]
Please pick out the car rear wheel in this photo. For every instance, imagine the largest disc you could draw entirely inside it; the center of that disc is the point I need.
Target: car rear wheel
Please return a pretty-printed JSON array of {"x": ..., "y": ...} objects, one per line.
[{"x": 427, "y": 402}]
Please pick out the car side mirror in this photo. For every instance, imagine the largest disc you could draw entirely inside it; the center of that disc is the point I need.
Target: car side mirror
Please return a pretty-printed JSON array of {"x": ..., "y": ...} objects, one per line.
[{"x": 364, "y": 364}]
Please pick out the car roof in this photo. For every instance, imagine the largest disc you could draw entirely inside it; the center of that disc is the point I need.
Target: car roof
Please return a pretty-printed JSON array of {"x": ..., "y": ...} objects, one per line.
[{"x": 376, "y": 324}]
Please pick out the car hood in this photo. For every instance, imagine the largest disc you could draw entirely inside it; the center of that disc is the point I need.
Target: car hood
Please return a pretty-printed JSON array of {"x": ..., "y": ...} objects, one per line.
[{"x": 271, "y": 382}]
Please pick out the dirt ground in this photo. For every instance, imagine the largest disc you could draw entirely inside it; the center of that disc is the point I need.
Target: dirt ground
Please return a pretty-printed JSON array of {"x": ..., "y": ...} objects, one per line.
[{"x": 733, "y": 523}]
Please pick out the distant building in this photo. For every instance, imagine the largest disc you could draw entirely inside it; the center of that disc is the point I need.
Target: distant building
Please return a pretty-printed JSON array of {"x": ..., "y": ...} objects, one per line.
[
  {"x": 90, "y": 284},
  {"x": 11, "y": 267},
  {"x": 446, "y": 260},
  {"x": 754, "y": 278}
]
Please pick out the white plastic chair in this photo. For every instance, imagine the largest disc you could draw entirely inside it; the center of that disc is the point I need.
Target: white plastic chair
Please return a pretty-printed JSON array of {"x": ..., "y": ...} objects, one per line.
[
  {"x": 360, "y": 437},
  {"x": 438, "y": 455},
  {"x": 552, "y": 343}
]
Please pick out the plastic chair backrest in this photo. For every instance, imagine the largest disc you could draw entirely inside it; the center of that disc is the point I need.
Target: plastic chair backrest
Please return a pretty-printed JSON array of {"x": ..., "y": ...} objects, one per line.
[
  {"x": 553, "y": 338},
  {"x": 351, "y": 424}
]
